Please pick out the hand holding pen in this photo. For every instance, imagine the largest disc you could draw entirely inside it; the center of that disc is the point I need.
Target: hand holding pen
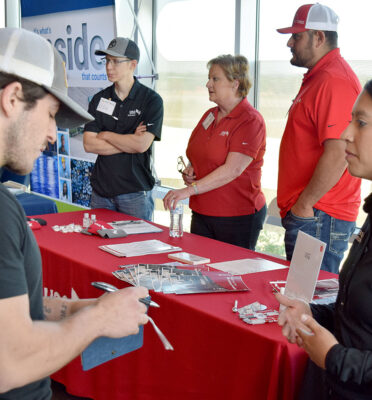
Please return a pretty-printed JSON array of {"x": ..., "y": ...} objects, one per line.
[
  {"x": 107, "y": 287},
  {"x": 111, "y": 288}
]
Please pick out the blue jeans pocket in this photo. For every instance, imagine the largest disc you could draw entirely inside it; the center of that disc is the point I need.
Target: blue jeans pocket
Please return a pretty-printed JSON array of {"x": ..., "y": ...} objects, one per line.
[
  {"x": 292, "y": 222},
  {"x": 339, "y": 235}
]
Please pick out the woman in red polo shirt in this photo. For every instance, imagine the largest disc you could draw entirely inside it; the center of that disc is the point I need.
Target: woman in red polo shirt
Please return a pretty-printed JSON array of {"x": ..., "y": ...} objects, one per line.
[{"x": 223, "y": 178}]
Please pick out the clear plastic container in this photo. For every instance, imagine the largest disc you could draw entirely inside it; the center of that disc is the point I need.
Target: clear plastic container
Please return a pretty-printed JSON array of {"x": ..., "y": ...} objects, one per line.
[
  {"x": 86, "y": 221},
  {"x": 176, "y": 226}
]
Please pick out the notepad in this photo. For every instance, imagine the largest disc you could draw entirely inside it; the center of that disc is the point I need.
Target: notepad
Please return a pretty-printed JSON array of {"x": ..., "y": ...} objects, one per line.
[{"x": 105, "y": 349}]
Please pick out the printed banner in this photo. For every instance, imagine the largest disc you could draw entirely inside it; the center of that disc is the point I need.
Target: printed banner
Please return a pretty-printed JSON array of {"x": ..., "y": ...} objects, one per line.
[{"x": 76, "y": 30}]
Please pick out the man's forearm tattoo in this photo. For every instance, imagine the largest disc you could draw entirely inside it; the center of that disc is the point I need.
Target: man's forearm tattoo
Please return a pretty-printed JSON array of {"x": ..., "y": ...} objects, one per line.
[
  {"x": 63, "y": 310},
  {"x": 47, "y": 311}
]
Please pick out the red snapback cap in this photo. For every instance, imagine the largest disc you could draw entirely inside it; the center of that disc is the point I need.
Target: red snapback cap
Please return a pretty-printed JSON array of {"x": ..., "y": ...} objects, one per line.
[{"x": 313, "y": 16}]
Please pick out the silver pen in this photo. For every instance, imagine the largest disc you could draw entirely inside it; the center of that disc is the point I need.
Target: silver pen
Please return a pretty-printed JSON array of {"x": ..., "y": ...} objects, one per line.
[{"x": 111, "y": 288}]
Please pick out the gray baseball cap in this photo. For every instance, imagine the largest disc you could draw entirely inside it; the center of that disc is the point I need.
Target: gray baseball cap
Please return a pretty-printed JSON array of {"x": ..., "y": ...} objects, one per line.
[
  {"x": 121, "y": 47},
  {"x": 30, "y": 56}
]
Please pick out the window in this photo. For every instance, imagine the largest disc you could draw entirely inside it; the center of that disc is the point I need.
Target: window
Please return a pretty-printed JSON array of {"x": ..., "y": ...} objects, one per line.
[
  {"x": 279, "y": 81},
  {"x": 189, "y": 33}
]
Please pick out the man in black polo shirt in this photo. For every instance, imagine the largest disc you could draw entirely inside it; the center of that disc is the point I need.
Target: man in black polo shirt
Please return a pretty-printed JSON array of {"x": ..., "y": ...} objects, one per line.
[{"x": 128, "y": 117}]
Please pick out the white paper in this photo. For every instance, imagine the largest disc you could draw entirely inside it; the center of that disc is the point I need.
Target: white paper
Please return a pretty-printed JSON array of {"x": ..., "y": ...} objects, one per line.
[
  {"x": 247, "y": 266},
  {"x": 134, "y": 249},
  {"x": 106, "y": 106},
  {"x": 304, "y": 268},
  {"x": 135, "y": 227}
]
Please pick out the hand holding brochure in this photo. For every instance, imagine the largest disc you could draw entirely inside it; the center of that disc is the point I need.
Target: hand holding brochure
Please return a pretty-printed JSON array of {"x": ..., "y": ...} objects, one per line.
[
  {"x": 304, "y": 269},
  {"x": 141, "y": 248}
]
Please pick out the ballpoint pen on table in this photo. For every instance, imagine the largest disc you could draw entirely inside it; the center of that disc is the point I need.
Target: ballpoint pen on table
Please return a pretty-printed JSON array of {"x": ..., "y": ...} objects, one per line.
[
  {"x": 111, "y": 288},
  {"x": 127, "y": 222}
]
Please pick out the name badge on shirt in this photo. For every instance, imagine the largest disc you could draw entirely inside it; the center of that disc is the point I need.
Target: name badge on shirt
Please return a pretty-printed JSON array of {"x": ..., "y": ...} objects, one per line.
[
  {"x": 210, "y": 118},
  {"x": 106, "y": 106}
]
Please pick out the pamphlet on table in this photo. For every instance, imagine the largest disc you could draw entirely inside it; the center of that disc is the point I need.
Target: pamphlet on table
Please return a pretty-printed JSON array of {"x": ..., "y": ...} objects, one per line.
[
  {"x": 140, "y": 248},
  {"x": 178, "y": 280},
  {"x": 134, "y": 227},
  {"x": 325, "y": 290},
  {"x": 247, "y": 266}
]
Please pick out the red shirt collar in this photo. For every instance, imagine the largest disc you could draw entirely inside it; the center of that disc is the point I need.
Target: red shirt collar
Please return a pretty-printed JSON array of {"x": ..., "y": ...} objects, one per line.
[
  {"x": 322, "y": 63},
  {"x": 236, "y": 111}
]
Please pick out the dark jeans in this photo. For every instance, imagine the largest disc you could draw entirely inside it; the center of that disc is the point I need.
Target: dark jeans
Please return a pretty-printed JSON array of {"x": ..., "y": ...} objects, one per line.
[
  {"x": 242, "y": 230},
  {"x": 334, "y": 232}
]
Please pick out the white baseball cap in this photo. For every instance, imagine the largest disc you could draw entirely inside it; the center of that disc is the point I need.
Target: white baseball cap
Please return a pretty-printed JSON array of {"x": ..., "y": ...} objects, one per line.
[{"x": 30, "y": 56}]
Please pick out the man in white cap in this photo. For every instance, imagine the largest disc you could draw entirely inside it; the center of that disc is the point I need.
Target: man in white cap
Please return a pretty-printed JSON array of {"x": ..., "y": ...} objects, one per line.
[
  {"x": 38, "y": 336},
  {"x": 316, "y": 194},
  {"x": 128, "y": 118}
]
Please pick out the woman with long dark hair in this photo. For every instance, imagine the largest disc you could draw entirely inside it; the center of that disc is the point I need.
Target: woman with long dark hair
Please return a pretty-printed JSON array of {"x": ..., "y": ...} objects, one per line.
[{"x": 338, "y": 337}]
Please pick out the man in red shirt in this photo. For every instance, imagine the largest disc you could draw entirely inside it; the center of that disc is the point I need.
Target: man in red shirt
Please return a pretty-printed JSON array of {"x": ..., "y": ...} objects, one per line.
[{"x": 316, "y": 194}]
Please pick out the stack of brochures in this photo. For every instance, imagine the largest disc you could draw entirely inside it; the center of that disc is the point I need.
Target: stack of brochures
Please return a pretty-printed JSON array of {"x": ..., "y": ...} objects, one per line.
[
  {"x": 134, "y": 227},
  {"x": 173, "y": 279},
  {"x": 188, "y": 258},
  {"x": 325, "y": 290},
  {"x": 141, "y": 248}
]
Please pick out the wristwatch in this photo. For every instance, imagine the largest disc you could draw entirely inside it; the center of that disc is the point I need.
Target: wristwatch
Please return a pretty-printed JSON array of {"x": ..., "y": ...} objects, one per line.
[{"x": 195, "y": 188}]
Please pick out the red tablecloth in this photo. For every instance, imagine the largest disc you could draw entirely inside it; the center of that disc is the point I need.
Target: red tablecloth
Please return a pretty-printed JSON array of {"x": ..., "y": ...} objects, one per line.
[{"x": 217, "y": 356}]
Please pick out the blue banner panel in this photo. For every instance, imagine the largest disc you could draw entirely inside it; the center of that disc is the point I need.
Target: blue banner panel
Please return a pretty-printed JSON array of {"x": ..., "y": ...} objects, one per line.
[{"x": 40, "y": 7}]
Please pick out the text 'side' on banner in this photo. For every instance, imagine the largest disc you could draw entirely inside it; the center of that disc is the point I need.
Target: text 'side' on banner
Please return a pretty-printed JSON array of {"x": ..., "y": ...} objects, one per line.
[{"x": 76, "y": 29}]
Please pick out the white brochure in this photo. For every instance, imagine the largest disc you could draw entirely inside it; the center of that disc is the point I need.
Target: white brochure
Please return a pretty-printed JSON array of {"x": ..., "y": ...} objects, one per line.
[
  {"x": 304, "y": 268},
  {"x": 247, "y": 266}
]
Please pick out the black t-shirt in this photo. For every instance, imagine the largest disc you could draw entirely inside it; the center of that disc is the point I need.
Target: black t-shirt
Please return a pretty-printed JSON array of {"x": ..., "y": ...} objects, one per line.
[
  {"x": 20, "y": 273},
  {"x": 125, "y": 172}
]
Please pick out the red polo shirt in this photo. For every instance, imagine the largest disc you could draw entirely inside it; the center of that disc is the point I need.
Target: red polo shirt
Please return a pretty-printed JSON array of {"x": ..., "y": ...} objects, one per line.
[
  {"x": 321, "y": 111},
  {"x": 241, "y": 131}
]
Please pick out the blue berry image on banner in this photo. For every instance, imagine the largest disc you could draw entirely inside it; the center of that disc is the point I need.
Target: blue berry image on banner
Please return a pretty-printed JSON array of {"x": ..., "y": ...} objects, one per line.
[{"x": 80, "y": 181}]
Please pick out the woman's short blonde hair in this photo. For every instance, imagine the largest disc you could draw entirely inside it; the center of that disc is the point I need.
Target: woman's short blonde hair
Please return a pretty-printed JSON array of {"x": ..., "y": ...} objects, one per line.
[{"x": 234, "y": 67}]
